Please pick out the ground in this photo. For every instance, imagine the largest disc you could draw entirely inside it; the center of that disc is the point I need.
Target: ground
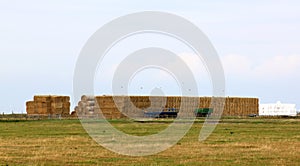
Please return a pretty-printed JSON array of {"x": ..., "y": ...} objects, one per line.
[{"x": 236, "y": 141}]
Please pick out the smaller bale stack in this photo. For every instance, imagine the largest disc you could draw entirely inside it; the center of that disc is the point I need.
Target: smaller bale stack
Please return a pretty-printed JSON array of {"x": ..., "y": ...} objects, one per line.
[{"x": 48, "y": 105}]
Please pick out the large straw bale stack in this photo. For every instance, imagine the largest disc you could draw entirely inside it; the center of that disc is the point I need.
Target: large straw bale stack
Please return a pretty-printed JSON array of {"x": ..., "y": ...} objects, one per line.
[{"x": 134, "y": 106}]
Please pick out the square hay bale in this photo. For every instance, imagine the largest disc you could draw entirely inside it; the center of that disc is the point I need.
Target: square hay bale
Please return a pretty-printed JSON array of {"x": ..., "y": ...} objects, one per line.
[
  {"x": 31, "y": 111},
  {"x": 42, "y": 98},
  {"x": 57, "y": 105},
  {"x": 30, "y": 104},
  {"x": 59, "y": 99}
]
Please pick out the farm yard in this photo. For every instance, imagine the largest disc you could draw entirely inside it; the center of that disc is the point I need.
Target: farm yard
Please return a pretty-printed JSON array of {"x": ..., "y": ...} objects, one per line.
[{"x": 235, "y": 141}]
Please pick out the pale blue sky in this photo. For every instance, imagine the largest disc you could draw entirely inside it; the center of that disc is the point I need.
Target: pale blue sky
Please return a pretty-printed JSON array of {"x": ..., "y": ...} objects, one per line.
[{"x": 258, "y": 42}]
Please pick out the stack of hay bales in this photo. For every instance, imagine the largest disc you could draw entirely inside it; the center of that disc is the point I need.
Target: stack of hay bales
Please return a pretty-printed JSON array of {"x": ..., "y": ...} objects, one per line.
[
  {"x": 115, "y": 107},
  {"x": 49, "y": 105}
]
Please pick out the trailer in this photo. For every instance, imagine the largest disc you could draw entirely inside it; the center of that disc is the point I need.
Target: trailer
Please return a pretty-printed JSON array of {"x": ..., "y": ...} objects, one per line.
[
  {"x": 164, "y": 113},
  {"x": 203, "y": 112}
]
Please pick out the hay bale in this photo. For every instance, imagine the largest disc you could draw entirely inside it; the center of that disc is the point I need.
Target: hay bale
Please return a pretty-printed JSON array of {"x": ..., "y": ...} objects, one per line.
[
  {"x": 87, "y": 98},
  {"x": 90, "y": 103},
  {"x": 82, "y": 104},
  {"x": 57, "y": 105},
  {"x": 59, "y": 99},
  {"x": 42, "y": 98}
]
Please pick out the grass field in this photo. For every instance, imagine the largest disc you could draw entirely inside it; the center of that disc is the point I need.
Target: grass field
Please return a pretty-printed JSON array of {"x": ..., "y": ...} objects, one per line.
[{"x": 234, "y": 142}]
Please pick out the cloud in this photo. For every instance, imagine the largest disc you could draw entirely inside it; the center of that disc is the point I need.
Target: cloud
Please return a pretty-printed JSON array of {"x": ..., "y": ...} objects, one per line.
[
  {"x": 195, "y": 64},
  {"x": 271, "y": 68},
  {"x": 150, "y": 77},
  {"x": 279, "y": 66},
  {"x": 236, "y": 64}
]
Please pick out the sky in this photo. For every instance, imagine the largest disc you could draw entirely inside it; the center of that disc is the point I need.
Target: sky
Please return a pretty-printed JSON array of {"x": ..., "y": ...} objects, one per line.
[{"x": 258, "y": 43}]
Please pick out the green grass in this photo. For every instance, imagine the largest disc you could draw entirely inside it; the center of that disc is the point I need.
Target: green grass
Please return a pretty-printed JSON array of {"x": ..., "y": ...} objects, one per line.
[{"x": 251, "y": 141}]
